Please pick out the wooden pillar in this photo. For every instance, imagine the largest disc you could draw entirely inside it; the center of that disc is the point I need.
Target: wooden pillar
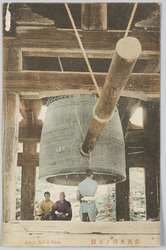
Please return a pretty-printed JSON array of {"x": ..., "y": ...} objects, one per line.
[
  {"x": 28, "y": 182},
  {"x": 152, "y": 130},
  {"x": 151, "y": 192},
  {"x": 10, "y": 145},
  {"x": 122, "y": 199},
  {"x": 158, "y": 189},
  {"x": 94, "y": 16},
  {"x": 30, "y": 129}
]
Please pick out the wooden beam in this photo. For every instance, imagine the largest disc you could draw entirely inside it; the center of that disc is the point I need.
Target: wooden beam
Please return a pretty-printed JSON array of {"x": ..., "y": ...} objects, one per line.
[
  {"x": 33, "y": 37},
  {"x": 77, "y": 53},
  {"x": 10, "y": 142},
  {"x": 72, "y": 234},
  {"x": 45, "y": 83},
  {"x": 137, "y": 160},
  {"x": 25, "y": 17},
  {"x": 153, "y": 66},
  {"x": 136, "y": 138},
  {"x": 94, "y": 16}
]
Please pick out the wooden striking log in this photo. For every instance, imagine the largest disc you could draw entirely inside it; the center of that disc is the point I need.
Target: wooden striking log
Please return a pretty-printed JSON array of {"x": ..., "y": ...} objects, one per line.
[
  {"x": 10, "y": 143},
  {"x": 127, "y": 51},
  {"x": 94, "y": 16}
]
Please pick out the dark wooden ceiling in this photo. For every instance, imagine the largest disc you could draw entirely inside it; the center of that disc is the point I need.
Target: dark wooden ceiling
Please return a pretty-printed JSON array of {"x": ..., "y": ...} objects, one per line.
[
  {"x": 35, "y": 50},
  {"x": 117, "y": 13}
]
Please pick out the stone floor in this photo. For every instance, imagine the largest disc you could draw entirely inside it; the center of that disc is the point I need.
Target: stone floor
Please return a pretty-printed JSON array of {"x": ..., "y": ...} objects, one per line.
[{"x": 77, "y": 233}]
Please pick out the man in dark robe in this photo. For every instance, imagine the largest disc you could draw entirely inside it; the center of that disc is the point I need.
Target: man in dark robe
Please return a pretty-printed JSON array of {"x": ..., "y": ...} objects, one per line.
[{"x": 62, "y": 209}]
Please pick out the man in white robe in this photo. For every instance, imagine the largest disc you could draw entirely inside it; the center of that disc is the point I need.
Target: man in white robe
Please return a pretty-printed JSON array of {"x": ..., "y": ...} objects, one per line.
[{"x": 85, "y": 194}]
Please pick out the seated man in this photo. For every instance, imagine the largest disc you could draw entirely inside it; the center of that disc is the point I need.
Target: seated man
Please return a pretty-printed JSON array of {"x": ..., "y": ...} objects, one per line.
[
  {"x": 62, "y": 209},
  {"x": 45, "y": 207}
]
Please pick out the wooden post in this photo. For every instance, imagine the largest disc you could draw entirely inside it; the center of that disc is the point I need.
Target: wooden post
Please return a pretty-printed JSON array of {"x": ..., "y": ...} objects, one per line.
[
  {"x": 10, "y": 144},
  {"x": 12, "y": 59},
  {"x": 124, "y": 59},
  {"x": 122, "y": 199},
  {"x": 28, "y": 183},
  {"x": 30, "y": 136},
  {"x": 94, "y": 16},
  {"x": 151, "y": 193},
  {"x": 152, "y": 129}
]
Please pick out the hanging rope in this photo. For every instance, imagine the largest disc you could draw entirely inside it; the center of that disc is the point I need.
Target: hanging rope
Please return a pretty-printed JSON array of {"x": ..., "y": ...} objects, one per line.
[
  {"x": 82, "y": 133},
  {"x": 131, "y": 19},
  {"x": 82, "y": 48},
  {"x": 77, "y": 119},
  {"x": 60, "y": 64}
]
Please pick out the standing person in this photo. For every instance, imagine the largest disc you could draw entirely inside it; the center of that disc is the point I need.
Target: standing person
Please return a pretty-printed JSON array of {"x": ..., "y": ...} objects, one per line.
[
  {"x": 45, "y": 207},
  {"x": 85, "y": 194},
  {"x": 62, "y": 209}
]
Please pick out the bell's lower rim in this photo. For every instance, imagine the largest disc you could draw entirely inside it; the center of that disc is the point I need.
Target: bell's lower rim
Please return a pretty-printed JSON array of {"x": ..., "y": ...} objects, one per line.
[{"x": 73, "y": 178}]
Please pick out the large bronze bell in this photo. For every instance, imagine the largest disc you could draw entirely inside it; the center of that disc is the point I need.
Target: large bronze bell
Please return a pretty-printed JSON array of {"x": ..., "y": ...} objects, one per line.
[{"x": 60, "y": 160}]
